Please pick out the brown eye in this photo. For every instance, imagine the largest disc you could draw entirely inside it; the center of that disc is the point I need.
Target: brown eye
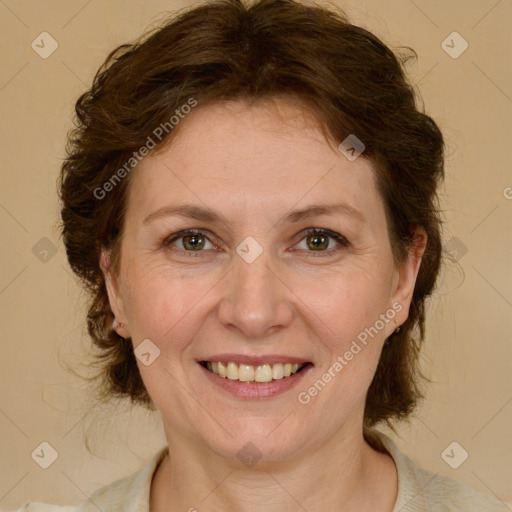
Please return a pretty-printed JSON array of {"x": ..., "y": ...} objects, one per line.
[
  {"x": 323, "y": 241},
  {"x": 191, "y": 241},
  {"x": 317, "y": 242}
]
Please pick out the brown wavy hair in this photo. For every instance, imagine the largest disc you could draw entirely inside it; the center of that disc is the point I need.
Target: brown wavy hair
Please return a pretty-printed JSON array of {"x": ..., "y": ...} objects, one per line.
[{"x": 269, "y": 49}]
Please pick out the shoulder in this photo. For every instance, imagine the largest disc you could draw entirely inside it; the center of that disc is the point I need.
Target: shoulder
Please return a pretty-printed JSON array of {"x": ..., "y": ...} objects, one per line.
[
  {"x": 127, "y": 494},
  {"x": 437, "y": 492},
  {"x": 45, "y": 507},
  {"x": 420, "y": 490}
]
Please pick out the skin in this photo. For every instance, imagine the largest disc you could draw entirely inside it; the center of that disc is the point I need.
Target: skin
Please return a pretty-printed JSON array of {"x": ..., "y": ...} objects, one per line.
[{"x": 254, "y": 164}]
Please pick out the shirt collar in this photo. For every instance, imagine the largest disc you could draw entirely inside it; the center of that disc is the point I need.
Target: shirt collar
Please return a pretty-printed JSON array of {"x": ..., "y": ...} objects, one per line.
[{"x": 411, "y": 479}]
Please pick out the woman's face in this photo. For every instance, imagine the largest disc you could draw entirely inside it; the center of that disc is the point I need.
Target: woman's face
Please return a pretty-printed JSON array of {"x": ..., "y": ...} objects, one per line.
[{"x": 253, "y": 288}]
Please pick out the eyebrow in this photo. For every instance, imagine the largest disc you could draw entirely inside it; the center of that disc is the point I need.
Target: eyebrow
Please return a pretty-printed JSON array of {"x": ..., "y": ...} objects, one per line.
[{"x": 209, "y": 215}]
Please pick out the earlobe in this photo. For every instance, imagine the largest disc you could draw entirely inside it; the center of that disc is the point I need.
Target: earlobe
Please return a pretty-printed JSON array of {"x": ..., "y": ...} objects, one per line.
[
  {"x": 408, "y": 273},
  {"x": 114, "y": 298}
]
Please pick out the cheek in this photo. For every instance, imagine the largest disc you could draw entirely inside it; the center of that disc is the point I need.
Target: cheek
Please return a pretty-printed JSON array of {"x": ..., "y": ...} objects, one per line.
[
  {"x": 349, "y": 308},
  {"x": 160, "y": 301},
  {"x": 346, "y": 301}
]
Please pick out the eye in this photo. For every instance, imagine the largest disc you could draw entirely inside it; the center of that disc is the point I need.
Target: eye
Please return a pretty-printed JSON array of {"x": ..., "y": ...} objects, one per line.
[
  {"x": 319, "y": 240},
  {"x": 190, "y": 240}
]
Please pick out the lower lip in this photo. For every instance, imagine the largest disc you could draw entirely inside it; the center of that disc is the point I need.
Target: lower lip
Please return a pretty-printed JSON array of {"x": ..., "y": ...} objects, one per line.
[{"x": 256, "y": 390}]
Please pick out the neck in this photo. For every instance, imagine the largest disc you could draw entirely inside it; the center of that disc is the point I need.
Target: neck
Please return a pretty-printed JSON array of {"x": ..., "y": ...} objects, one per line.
[{"x": 343, "y": 474}]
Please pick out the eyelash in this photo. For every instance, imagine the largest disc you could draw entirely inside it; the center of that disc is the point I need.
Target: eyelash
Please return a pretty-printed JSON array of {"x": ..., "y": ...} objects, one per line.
[{"x": 340, "y": 239}]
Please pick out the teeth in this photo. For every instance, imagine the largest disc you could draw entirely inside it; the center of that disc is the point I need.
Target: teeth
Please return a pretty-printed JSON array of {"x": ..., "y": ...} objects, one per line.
[
  {"x": 232, "y": 371},
  {"x": 263, "y": 373},
  {"x": 249, "y": 373},
  {"x": 222, "y": 370},
  {"x": 277, "y": 371},
  {"x": 245, "y": 373}
]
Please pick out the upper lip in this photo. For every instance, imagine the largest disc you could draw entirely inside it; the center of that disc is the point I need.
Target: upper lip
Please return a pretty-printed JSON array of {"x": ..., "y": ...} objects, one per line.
[{"x": 255, "y": 360}]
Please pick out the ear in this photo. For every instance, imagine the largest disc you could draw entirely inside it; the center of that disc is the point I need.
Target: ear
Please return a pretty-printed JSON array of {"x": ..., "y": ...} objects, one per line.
[
  {"x": 405, "y": 277},
  {"x": 114, "y": 297}
]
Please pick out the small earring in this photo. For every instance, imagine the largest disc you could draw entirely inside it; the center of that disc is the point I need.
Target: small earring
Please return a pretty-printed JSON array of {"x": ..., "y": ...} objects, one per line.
[
  {"x": 116, "y": 324},
  {"x": 397, "y": 330}
]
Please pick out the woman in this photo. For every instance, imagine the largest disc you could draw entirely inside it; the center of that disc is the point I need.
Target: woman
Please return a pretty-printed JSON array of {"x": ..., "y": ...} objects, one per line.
[{"x": 250, "y": 196}]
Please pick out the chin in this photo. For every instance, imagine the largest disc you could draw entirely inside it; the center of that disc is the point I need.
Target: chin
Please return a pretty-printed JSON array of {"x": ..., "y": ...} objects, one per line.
[{"x": 258, "y": 440}]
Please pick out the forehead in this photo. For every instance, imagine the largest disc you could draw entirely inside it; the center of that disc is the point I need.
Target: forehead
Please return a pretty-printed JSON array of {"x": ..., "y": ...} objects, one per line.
[
  {"x": 272, "y": 130},
  {"x": 261, "y": 157}
]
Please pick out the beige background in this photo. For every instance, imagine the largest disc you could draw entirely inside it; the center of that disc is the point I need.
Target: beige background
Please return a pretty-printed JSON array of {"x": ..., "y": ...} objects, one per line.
[{"x": 468, "y": 353}]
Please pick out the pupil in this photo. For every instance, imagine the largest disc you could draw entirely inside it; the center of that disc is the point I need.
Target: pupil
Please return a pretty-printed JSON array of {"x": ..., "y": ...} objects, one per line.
[
  {"x": 192, "y": 240},
  {"x": 318, "y": 238}
]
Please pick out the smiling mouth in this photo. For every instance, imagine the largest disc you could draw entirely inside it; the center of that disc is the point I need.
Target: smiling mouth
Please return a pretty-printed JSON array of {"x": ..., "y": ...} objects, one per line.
[{"x": 253, "y": 373}]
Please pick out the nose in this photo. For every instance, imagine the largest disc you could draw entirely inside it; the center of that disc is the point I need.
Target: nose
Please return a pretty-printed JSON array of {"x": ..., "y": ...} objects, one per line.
[{"x": 256, "y": 301}]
